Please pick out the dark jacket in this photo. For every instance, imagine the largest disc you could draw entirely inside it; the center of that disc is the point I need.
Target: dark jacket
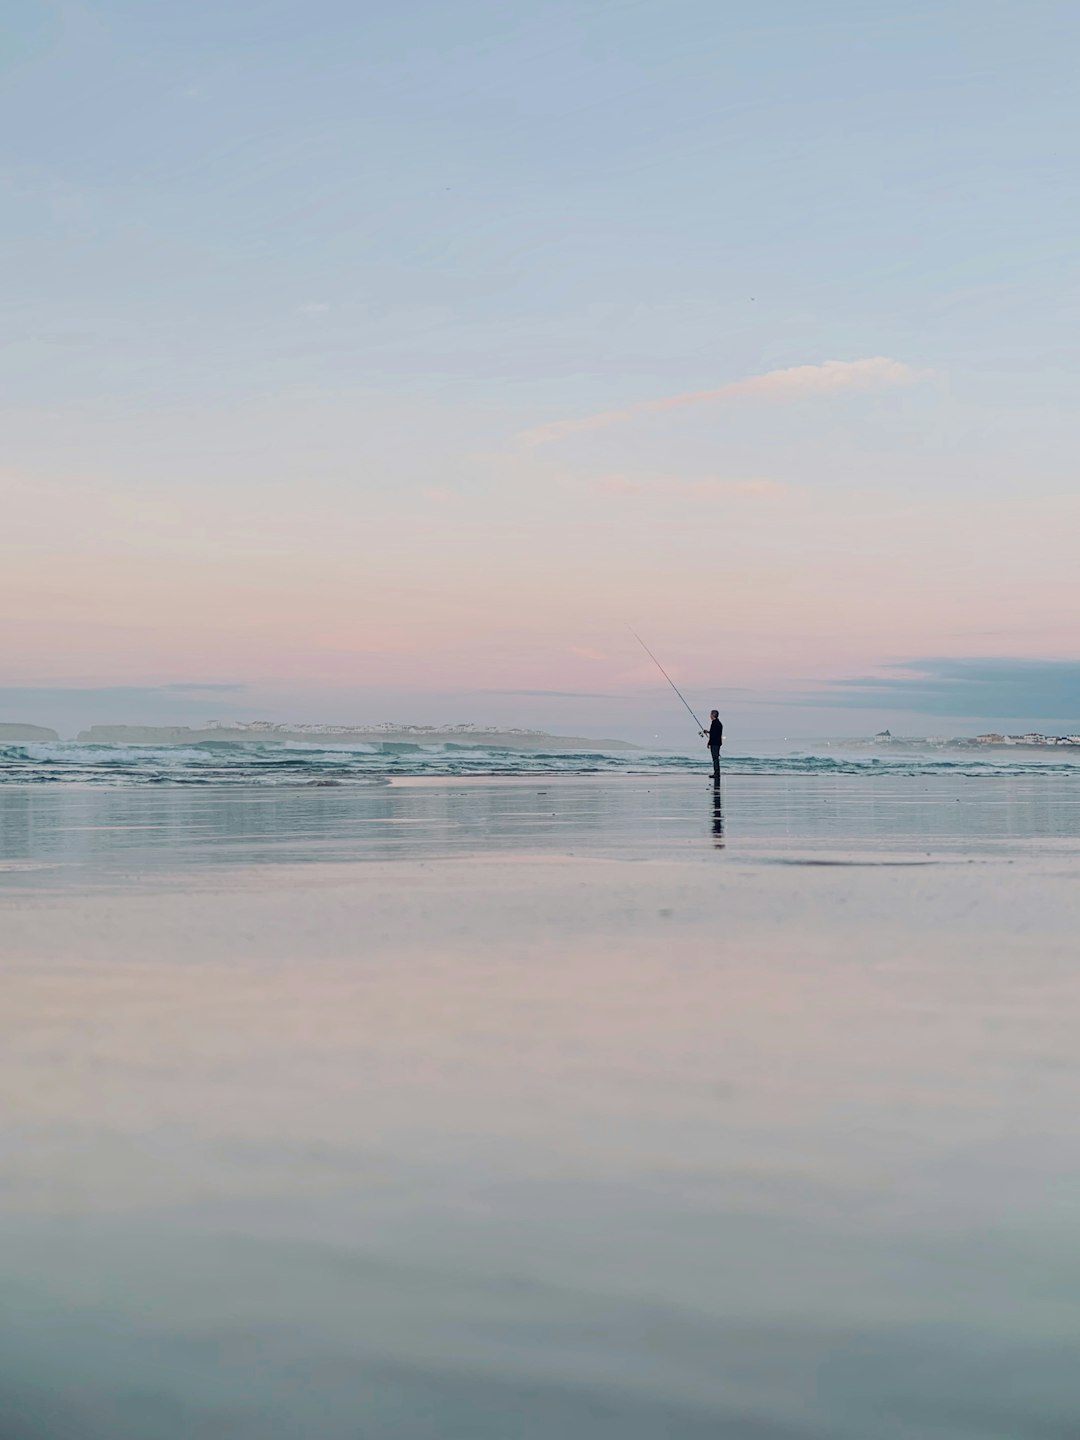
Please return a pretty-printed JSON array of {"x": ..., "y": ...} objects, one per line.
[{"x": 716, "y": 735}]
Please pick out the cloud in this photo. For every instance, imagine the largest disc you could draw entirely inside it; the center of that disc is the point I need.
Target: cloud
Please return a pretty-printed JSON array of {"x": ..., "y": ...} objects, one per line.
[
  {"x": 313, "y": 307},
  {"x": 832, "y": 377},
  {"x": 618, "y": 485},
  {"x": 987, "y": 689},
  {"x": 195, "y": 687},
  {"x": 114, "y": 692},
  {"x": 717, "y": 489},
  {"x": 707, "y": 488},
  {"x": 561, "y": 694}
]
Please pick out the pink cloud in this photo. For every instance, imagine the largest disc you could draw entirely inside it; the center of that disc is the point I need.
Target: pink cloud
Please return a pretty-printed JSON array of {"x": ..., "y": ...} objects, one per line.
[
  {"x": 707, "y": 488},
  {"x": 796, "y": 382},
  {"x": 727, "y": 489},
  {"x": 619, "y": 485}
]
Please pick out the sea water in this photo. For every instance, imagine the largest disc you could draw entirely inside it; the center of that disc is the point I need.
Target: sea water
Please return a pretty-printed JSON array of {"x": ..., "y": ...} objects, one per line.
[{"x": 218, "y": 763}]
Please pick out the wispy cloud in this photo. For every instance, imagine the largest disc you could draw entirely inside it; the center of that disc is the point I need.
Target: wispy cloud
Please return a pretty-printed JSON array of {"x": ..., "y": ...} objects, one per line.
[
  {"x": 832, "y": 377},
  {"x": 561, "y": 694},
  {"x": 992, "y": 689},
  {"x": 705, "y": 488},
  {"x": 312, "y": 307},
  {"x": 196, "y": 687},
  {"x": 115, "y": 692}
]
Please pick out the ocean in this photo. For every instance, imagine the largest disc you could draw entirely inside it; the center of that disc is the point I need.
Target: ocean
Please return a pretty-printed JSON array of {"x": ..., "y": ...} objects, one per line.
[{"x": 263, "y": 763}]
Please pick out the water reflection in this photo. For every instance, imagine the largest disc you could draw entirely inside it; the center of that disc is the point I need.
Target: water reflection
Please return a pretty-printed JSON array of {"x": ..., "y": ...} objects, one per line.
[
  {"x": 718, "y": 815},
  {"x": 136, "y": 830}
]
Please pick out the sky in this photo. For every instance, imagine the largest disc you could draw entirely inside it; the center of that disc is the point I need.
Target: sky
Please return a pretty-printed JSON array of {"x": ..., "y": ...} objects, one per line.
[{"x": 366, "y": 362}]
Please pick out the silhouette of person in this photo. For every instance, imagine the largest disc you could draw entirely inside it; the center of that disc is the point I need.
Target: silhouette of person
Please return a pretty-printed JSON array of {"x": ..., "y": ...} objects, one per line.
[{"x": 714, "y": 740}]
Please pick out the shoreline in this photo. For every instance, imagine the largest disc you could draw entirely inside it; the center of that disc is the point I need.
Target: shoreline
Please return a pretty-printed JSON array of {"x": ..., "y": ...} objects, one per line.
[{"x": 95, "y": 835}]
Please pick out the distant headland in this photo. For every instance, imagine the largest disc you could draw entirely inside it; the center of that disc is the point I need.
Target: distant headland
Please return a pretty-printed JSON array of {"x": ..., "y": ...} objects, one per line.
[
  {"x": 267, "y": 732},
  {"x": 26, "y": 735}
]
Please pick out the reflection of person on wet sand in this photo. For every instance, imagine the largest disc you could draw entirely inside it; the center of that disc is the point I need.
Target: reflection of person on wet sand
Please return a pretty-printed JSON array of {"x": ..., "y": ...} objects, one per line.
[
  {"x": 714, "y": 739},
  {"x": 718, "y": 818}
]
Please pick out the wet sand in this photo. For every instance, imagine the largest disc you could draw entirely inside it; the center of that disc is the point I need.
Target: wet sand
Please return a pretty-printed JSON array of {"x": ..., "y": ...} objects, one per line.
[{"x": 634, "y": 1128}]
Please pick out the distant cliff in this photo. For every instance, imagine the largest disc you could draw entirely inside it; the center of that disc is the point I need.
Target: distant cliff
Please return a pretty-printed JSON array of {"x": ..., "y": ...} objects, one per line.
[
  {"x": 266, "y": 733},
  {"x": 17, "y": 734},
  {"x": 145, "y": 735}
]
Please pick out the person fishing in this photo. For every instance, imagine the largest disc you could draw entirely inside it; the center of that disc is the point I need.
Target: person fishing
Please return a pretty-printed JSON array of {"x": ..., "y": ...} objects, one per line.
[{"x": 714, "y": 738}]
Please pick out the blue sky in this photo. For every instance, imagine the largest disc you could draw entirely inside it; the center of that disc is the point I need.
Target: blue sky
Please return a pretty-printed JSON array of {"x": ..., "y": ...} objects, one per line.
[{"x": 287, "y": 288}]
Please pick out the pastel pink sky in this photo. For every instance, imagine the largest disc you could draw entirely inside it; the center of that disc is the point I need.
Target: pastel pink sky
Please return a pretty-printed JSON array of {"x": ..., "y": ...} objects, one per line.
[
  {"x": 387, "y": 362},
  {"x": 520, "y": 571}
]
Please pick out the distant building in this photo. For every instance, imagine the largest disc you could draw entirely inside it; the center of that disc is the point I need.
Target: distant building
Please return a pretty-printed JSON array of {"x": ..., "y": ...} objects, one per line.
[{"x": 991, "y": 738}]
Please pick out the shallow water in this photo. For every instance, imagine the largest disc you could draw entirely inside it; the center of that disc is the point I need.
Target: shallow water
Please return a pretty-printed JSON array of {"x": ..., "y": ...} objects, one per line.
[
  {"x": 94, "y": 834},
  {"x": 462, "y": 1109}
]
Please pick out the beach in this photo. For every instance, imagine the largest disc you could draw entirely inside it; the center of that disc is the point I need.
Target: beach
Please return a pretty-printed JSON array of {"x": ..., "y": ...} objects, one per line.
[
  {"x": 597, "y": 1106},
  {"x": 430, "y": 430}
]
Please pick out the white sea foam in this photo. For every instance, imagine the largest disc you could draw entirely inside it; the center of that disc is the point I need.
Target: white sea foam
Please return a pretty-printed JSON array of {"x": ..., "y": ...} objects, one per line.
[{"x": 256, "y": 763}]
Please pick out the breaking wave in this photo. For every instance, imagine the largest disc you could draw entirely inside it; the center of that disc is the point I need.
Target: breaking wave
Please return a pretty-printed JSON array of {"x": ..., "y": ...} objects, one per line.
[{"x": 262, "y": 764}]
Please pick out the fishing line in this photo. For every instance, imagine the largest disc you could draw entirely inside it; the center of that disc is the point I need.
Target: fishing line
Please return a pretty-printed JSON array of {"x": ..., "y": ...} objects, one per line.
[{"x": 666, "y": 676}]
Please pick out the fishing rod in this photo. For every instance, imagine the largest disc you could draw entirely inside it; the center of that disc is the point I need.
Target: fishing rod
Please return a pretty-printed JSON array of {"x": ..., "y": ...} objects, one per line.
[{"x": 666, "y": 676}]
